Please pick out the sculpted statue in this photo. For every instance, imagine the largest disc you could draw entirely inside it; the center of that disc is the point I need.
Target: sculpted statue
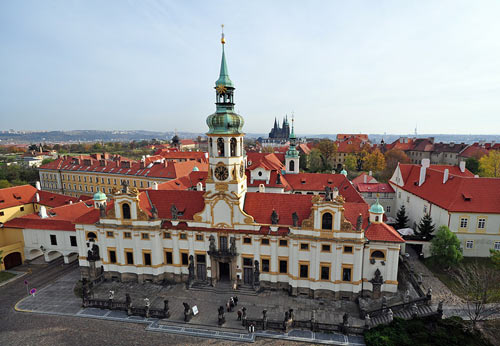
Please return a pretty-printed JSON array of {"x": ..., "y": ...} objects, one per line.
[
  {"x": 256, "y": 273},
  {"x": 174, "y": 211},
  {"x": 191, "y": 268},
  {"x": 328, "y": 193},
  {"x": 124, "y": 186},
  {"x": 295, "y": 219},
  {"x": 378, "y": 278},
  {"x": 102, "y": 210},
  {"x": 274, "y": 217},
  {"x": 93, "y": 255},
  {"x": 345, "y": 319},
  {"x": 359, "y": 223},
  {"x": 232, "y": 247},
  {"x": 212, "y": 247}
]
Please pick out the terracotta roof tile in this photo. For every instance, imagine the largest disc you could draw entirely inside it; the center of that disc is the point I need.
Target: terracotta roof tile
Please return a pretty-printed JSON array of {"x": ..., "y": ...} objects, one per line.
[{"x": 383, "y": 232}]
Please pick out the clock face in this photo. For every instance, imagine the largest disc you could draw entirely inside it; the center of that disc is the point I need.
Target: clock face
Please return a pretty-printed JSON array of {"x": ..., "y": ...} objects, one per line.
[
  {"x": 221, "y": 173},
  {"x": 242, "y": 170},
  {"x": 221, "y": 89}
]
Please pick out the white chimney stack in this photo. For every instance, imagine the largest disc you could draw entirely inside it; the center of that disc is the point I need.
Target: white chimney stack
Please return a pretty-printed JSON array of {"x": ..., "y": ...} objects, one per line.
[
  {"x": 43, "y": 212},
  {"x": 155, "y": 185},
  {"x": 421, "y": 179},
  {"x": 262, "y": 188},
  {"x": 445, "y": 175},
  {"x": 462, "y": 166},
  {"x": 476, "y": 176},
  {"x": 370, "y": 173},
  {"x": 199, "y": 186},
  {"x": 37, "y": 197},
  {"x": 38, "y": 186},
  {"x": 426, "y": 163},
  {"x": 364, "y": 178}
]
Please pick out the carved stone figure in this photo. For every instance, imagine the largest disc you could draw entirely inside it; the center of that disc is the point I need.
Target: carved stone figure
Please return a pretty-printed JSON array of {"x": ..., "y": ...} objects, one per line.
[
  {"x": 429, "y": 293},
  {"x": 414, "y": 310},
  {"x": 378, "y": 278},
  {"x": 128, "y": 301},
  {"x": 295, "y": 219},
  {"x": 390, "y": 315},
  {"x": 328, "y": 193},
  {"x": 359, "y": 223},
  {"x": 406, "y": 298},
  {"x": 124, "y": 186},
  {"x": 187, "y": 312},
  {"x": 232, "y": 247},
  {"x": 345, "y": 319},
  {"x": 212, "y": 247},
  {"x": 111, "y": 295},
  {"x": 264, "y": 319},
  {"x": 256, "y": 273},
  {"x": 274, "y": 217},
  {"x": 191, "y": 269},
  {"x": 154, "y": 212},
  {"x": 244, "y": 316},
  {"x": 165, "y": 305},
  {"x": 368, "y": 321},
  {"x": 174, "y": 212},
  {"x": 102, "y": 210},
  {"x": 93, "y": 255}
]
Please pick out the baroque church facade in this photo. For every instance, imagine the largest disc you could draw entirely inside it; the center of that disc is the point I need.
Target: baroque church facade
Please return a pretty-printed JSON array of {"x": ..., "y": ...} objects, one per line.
[{"x": 319, "y": 245}]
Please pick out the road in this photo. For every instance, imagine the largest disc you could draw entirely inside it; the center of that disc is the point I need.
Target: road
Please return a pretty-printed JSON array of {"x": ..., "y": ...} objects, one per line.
[{"x": 19, "y": 328}]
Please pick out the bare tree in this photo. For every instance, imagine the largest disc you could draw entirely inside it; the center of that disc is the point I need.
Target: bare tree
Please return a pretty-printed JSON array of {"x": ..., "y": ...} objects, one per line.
[{"x": 479, "y": 286}]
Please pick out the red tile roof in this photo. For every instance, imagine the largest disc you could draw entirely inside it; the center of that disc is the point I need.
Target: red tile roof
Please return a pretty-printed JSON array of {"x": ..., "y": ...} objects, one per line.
[
  {"x": 474, "y": 150},
  {"x": 53, "y": 200},
  {"x": 20, "y": 195},
  {"x": 199, "y": 156},
  {"x": 268, "y": 161},
  {"x": 186, "y": 202},
  {"x": 378, "y": 188},
  {"x": 361, "y": 179},
  {"x": 482, "y": 193},
  {"x": 273, "y": 181},
  {"x": 383, "y": 232}
]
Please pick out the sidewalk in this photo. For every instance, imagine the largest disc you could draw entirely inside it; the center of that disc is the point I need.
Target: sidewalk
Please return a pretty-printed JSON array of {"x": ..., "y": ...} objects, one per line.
[{"x": 59, "y": 299}]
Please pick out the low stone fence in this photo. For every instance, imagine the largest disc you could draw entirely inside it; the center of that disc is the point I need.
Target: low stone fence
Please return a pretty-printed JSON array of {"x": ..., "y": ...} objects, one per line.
[
  {"x": 127, "y": 306},
  {"x": 398, "y": 307}
]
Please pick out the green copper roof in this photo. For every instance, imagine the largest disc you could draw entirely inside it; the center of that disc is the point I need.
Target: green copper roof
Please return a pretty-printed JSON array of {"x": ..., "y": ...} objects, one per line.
[
  {"x": 99, "y": 196},
  {"x": 224, "y": 75},
  {"x": 377, "y": 208},
  {"x": 195, "y": 169},
  {"x": 344, "y": 172},
  {"x": 225, "y": 123}
]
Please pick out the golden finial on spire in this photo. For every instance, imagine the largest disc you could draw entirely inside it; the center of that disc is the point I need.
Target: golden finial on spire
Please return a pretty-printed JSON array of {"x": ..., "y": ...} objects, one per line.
[{"x": 222, "y": 40}]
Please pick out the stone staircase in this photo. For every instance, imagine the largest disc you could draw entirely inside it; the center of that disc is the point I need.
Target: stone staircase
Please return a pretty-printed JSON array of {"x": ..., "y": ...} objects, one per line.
[
  {"x": 223, "y": 287},
  {"x": 406, "y": 314}
]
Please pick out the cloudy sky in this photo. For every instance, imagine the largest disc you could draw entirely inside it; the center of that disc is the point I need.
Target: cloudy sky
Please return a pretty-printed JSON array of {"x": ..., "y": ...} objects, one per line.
[{"x": 339, "y": 66}]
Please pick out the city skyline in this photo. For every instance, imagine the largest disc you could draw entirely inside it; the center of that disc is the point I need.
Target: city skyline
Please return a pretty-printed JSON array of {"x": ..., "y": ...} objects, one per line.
[{"x": 336, "y": 66}]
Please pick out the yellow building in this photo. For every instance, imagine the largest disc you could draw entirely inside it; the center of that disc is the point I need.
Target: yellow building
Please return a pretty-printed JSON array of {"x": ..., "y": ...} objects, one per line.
[
  {"x": 87, "y": 174},
  {"x": 16, "y": 202}
]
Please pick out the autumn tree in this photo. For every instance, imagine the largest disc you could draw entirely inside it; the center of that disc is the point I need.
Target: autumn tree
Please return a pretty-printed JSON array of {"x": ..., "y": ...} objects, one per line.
[
  {"x": 445, "y": 247},
  {"x": 392, "y": 158},
  {"x": 327, "y": 148},
  {"x": 374, "y": 161},
  {"x": 489, "y": 165},
  {"x": 351, "y": 163},
  {"x": 315, "y": 162}
]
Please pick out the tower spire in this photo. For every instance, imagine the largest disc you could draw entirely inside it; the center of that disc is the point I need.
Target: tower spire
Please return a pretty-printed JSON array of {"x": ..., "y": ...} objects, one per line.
[{"x": 224, "y": 79}]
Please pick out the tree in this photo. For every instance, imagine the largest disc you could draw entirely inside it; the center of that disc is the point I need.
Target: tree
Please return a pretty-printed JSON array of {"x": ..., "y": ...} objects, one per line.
[
  {"x": 425, "y": 227},
  {"x": 303, "y": 158},
  {"x": 489, "y": 165},
  {"x": 495, "y": 258},
  {"x": 472, "y": 164},
  {"x": 315, "y": 162},
  {"x": 392, "y": 158},
  {"x": 4, "y": 183},
  {"x": 351, "y": 163},
  {"x": 478, "y": 285},
  {"x": 327, "y": 149},
  {"x": 374, "y": 161},
  {"x": 445, "y": 247},
  {"x": 47, "y": 160},
  {"x": 401, "y": 218}
]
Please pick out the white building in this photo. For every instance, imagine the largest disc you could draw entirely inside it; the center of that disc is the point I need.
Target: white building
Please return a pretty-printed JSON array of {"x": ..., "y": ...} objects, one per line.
[{"x": 468, "y": 205}]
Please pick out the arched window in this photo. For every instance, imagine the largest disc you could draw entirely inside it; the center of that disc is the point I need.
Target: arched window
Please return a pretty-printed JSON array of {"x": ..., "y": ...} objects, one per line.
[
  {"x": 220, "y": 147},
  {"x": 126, "y": 210},
  {"x": 326, "y": 221},
  {"x": 377, "y": 254},
  {"x": 210, "y": 148},
  {"x": 91, "y": 236},
  {"x": 376, "y": 218},
  {"x": 233, "y": 146},
  {"x": 291, "y": 166}
]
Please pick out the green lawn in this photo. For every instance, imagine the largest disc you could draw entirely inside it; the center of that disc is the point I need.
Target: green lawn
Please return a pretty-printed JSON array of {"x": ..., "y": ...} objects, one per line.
[
  {"x": 4, "y": 276},
  {"x": 448, "y": 280}
]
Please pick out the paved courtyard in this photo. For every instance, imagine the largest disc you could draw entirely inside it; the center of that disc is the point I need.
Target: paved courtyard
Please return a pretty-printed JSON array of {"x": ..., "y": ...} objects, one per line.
[{"x": 58, "y": 298}]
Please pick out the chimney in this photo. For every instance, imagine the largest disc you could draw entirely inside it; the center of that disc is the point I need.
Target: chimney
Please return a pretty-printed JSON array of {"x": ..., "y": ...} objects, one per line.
[
  {"x": 370, "y": 173},
  {"x": 421, "y": 179},
  {"x": 462, "y": 166},
  {"x": 199, "y": 186},
  {"x": 262, "y": 188},
  {"x": 364, "y": 178},
  {"x": 335, "y": 193},
  {"x": 426, "y": 163},
  {"x": 43, "y": 212},
  {"x": 38, "y": 186},
  {"x": 37, "y": 197},
  {"x": 445, "y": 175},
  {"x": 70, "y": 202},
  {"x": 155, "y": 185},
  {"x": 476, "y": 176}
]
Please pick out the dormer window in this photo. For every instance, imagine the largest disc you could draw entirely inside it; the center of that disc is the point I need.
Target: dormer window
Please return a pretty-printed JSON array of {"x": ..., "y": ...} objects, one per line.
[
  {"x": 327, "y": 221},
  {"x": 126, "y": 211}
]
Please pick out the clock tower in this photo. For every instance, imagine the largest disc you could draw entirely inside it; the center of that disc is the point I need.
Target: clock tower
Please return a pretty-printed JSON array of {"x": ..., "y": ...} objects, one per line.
[{"x": 226, "y": 173}]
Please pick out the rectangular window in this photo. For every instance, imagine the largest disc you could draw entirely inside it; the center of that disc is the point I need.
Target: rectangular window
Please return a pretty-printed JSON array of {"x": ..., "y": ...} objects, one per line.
[
  {"x": 169, "y": 258},
  {"x": 145, "y": 236},
  {"x": 53, "y": 239},
  {"x": 129, "y": 256},
  {"x": 247, "y": 240},
  {"x": 325, "y": 272},
  {"x": 114, "y": 181},
  {"x": 264, "y": 241},
  {"x": 481, "y": 223},
  {"x": 183, "y": 236},
  {"x": 112, "y": 256},
  {"x": 21, "y": 209},
  {"x": 84, "y": 179},
  {"x": 326, "y": 248},
  {"x": 199, "y": 237},
  {"x": 127, "y": 235},
  {"x": 304, "y": 246},
  {"x": 347, "y": 249},
  {"x": 167, "y": 235},
  {"x": 304, "y": 271},
  {"x": 469, "y": 244},
  {"x": 142, "y": 185},
  {"x": 346, "y": 274},
  {"x": 147, "y": 259},
  {"x": 184, "y": 259},
  {"x": 283, "y": 266},
  {"x": 201, "y": 259},
  {"x": 425, "y": 209},
  {"x": 110, "y": 234},
  {"x": 72, "y": 240},
  {"x": 497, "y": 245},
  {"x": 283, "y": 242},
  {"x": 399, "y": 194},
  {"x": 247, "y": 262},
  {"x": 388, "y": 209},
  {"x": 102, "y": 180},
  {"x": 408, "y": 199},
  {"x": 2, "y": 213},
  {"x": 265, "y": 265},
  {"x": 463, "y": 222},
  {"x": 109, "y": 181}
]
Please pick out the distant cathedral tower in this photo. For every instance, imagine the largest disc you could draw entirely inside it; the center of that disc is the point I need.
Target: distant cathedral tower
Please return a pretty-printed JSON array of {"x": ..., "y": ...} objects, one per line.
[
  {"x": 282, "y": 132},
  {"x": 225, "y": 140}
]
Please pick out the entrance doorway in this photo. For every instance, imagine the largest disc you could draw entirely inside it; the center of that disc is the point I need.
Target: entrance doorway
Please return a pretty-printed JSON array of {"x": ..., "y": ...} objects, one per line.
[
  {"x": 12, "y": 260},
  {"x": 201, "y": 267},
  {"x": 247, "y": 271},
  {"x": 224, "y": 274}
]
